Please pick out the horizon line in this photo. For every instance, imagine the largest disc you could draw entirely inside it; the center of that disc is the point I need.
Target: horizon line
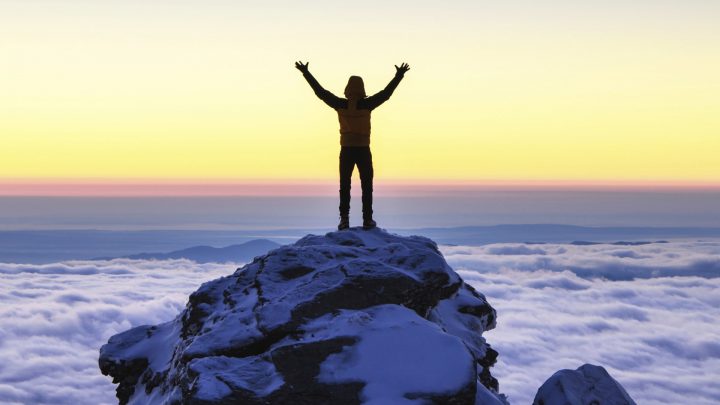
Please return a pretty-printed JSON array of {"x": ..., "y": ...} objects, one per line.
[{"x": 217, "y": 187}]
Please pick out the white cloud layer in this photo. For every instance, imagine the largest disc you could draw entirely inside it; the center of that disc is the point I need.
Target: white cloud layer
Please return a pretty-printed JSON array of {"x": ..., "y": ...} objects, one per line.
[
  {"x": 660, "y": 337},
  {"x": 55, "y": 317},
  {"x": 614, "y": 262},
  {"x": 559, "y": 306}
]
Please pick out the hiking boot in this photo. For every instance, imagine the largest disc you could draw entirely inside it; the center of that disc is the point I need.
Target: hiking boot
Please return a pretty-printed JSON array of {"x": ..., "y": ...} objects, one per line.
[
  {"x": 368, "y": 223},
  {"x": 344, "y": 223}
]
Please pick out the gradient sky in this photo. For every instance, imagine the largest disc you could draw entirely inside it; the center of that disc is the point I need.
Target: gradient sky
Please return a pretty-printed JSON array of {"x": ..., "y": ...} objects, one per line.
[{"x": 512, "y": 90}]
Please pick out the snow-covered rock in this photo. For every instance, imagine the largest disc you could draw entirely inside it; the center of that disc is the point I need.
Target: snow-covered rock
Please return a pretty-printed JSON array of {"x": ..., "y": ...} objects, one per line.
[
  {"x": 349, "y": 317},
  {"x": 588, "y": 385}
]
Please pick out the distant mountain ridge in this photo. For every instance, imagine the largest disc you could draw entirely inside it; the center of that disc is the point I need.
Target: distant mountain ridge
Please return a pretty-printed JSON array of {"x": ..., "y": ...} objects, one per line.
[
  {"x": 558, "y": 233},
  {"x": 49, "y": 246},
  {"x": 243, "y": 252}
]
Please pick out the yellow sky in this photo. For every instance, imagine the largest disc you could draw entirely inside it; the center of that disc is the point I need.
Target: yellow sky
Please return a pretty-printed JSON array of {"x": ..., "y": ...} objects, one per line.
[{"x": 207, "y": 89}]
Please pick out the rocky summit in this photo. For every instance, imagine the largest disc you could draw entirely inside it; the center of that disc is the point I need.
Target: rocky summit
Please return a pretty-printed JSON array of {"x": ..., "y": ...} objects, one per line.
[{"x": 350, "y": 317}]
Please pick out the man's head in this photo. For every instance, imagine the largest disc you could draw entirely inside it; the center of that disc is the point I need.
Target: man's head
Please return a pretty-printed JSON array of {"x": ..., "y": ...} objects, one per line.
[{"x": 355, "y": 88}]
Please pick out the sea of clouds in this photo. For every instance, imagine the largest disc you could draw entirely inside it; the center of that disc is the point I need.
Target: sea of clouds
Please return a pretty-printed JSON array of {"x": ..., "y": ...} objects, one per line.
[
  {"x": 650, "y": 314},
  {"x": 55, "y": 317},
  {"x": 560, "y": 306}
]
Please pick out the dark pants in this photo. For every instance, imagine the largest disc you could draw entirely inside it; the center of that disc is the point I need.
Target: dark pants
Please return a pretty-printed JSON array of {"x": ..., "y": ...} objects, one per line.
[{"x": 349, "y": 157}]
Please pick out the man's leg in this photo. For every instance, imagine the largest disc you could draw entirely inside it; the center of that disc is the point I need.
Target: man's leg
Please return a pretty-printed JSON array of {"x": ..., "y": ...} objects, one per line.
[
  {"x": 365, "y": 167},
  {"x": 347, "y": 164}
]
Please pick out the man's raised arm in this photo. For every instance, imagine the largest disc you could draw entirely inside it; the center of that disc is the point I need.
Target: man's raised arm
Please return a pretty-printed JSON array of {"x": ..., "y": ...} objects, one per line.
[
  {"x": 324, "y": 95},
  {"x": 383, "y": 95}
]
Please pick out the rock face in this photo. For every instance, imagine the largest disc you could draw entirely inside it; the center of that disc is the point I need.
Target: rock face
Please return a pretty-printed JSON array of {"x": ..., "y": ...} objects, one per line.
[
  {"x": 350, "y": 317},
  {"x": 588, "y": 385}
]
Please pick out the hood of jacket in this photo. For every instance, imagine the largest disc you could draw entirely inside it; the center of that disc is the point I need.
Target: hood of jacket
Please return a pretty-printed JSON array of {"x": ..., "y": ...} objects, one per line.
[{"x": 355, "y": 88}]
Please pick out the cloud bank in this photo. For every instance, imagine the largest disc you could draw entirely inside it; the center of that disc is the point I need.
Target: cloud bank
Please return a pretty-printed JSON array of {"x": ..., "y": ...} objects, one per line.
[
  {"x": 55, "y": 317},
  {"x": 568, "y": 305},
  {"x": 613, "y": 262},
  {"x": 648, "y": 313}
]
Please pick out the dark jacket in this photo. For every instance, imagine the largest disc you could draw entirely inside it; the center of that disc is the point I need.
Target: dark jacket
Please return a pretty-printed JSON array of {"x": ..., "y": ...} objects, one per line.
[{"x": 353, "y": 114}]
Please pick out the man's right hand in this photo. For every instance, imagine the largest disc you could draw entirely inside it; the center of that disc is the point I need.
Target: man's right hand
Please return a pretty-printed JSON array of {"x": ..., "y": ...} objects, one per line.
[
  {"x": 400, "y": 70},
  {"x": 303, "y": 68}
]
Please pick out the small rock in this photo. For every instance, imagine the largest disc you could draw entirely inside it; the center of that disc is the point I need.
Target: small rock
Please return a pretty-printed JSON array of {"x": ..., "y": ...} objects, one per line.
[{"x": 588, "y": 385}]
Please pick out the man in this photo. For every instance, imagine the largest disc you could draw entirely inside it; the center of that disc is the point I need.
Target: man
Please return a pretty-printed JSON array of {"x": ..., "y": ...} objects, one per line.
[{"x": 354, "y": 116}]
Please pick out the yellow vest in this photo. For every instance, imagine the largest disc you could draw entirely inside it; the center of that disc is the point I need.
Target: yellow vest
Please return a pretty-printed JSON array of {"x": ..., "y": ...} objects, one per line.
[{"x": 354, "y": 125}]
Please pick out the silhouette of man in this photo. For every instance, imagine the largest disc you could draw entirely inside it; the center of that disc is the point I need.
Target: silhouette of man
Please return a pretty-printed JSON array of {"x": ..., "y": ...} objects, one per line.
[{"x": 354, "y": 116}]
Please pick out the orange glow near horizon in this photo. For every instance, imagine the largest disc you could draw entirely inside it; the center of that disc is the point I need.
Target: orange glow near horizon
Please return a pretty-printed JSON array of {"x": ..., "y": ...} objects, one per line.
[{"x": 308, "y": 188}]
